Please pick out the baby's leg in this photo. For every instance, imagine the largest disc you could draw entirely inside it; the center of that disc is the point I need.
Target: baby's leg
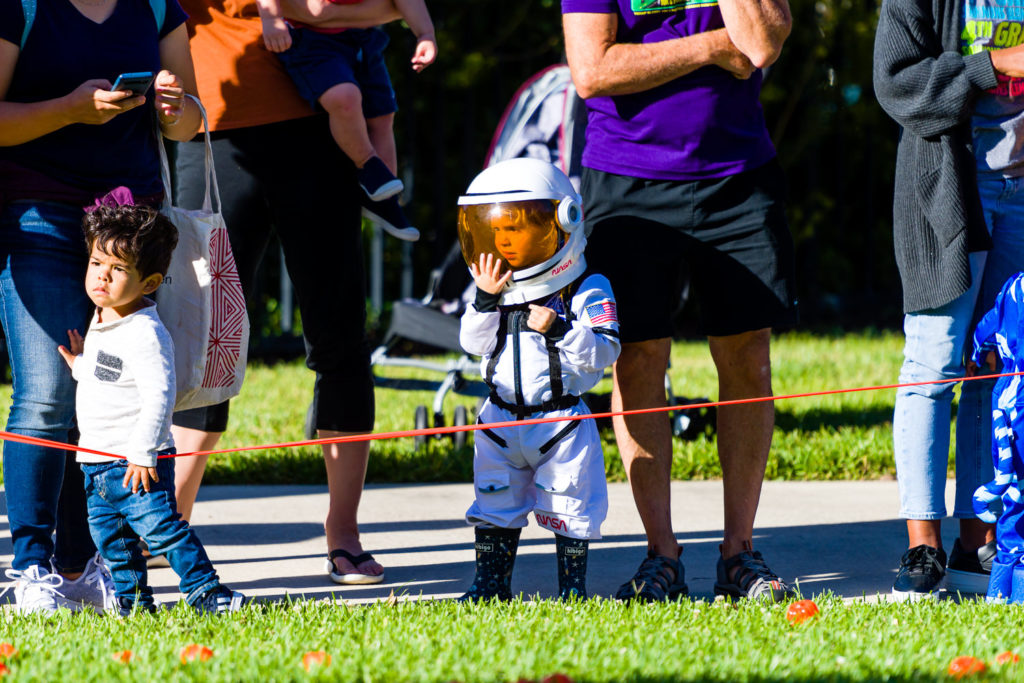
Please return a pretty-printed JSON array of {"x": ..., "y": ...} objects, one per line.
[
  {"x": 344, "y": 105},
  {"x": 382, "y": 137}
]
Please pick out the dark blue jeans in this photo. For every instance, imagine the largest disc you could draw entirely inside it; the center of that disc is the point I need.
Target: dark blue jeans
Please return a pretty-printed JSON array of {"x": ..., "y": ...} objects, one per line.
[
  {"x": 118, "y": 518},
  {"x": 42, "y": 296}
]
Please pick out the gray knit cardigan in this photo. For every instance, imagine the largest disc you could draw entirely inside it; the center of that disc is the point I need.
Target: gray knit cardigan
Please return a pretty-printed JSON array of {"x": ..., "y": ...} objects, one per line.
[{"x": 923, "y": 81}]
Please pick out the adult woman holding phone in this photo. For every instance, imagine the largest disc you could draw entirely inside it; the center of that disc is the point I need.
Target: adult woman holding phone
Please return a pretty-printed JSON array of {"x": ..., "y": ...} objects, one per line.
[{"x": 67, "y": 139}]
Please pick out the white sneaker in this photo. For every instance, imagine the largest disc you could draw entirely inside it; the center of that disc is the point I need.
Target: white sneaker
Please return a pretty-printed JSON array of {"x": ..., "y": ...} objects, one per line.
[
  {"x": 94, "y": 588},
  {"x": 35, "y": 590}
]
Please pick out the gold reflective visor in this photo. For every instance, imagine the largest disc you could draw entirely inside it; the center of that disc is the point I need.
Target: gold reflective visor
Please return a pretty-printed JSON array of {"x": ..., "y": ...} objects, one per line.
[{"x": 521, "y": 234}]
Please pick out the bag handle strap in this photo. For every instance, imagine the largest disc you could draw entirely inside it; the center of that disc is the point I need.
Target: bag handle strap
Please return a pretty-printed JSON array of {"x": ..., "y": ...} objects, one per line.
[{"x": 210, "y": 174}]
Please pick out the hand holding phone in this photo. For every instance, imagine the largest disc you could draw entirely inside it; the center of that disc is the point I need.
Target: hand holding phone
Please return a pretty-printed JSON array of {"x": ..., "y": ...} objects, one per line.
[{"x": 137, "y": 83}]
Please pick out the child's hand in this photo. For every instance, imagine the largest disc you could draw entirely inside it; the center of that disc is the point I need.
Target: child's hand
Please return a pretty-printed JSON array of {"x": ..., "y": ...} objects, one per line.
[
  {"x": 77, "y": 345},
  {"x": 540, "y": 318},
  {"x": 170, "y": 97},
  {"x": 990, "y": 361},
  {"x": 139, "y": 475},
  {"x": 276, "y": 35},
  {"x": 486, "y": 275},
  {"x": 426, "y": 53}
]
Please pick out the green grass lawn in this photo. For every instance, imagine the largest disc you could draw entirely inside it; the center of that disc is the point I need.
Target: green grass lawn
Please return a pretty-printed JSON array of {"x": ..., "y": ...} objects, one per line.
[
  {"x": 595, "y": 641},
  {"x": 834, "y": 437},
  {"x": 846, "y": 436}
]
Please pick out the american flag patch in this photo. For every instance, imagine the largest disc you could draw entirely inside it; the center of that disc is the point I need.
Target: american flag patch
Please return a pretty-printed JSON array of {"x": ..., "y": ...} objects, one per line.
[{"x": 601, "y": 313}]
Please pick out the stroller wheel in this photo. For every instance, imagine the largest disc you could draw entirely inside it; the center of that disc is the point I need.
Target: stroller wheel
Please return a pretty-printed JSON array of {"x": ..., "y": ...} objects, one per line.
[
  {"x": 419, "y": 442},
  {"x": 439, "y": 422},
  {"x": 460, "y": 419}
]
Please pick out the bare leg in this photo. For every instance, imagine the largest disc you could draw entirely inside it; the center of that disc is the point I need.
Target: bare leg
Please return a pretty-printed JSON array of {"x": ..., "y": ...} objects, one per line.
[
  {"x": 975, "y": 533},
  {"x": 188, "y": 472},
  {"x": 344, "y": 105},
  {"x": 346, "y": 470},
  {"x": 924, "y": 532},
  {"x": 382, "y": 138},
  {"x": 645, "y": 441},
  {"x": 744, "y": 431}
]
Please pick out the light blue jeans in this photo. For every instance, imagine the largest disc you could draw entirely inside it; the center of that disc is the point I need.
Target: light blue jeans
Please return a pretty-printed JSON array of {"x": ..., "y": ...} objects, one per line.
[
  {"x": 42, "y": 295},
  {"x": 936, "y": 343}
]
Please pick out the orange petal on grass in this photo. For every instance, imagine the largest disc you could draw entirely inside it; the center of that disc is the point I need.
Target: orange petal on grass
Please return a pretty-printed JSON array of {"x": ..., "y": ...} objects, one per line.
[
  {"x": 315, "y": 658},
  {"x": 195, "y": 651},
  {"x": 124, "y": 656},
  {"x": 965, "y": 666},
  {"x": 801, "y": 610},
  {"x": 7, "y": 651},
  {"x": 1007, "y": 658},
  {"x": 4, "y": 670}
]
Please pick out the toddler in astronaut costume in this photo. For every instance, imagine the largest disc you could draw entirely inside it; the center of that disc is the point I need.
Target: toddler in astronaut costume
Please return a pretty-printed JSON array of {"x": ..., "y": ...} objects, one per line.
[{"x": 546, "y": 331}]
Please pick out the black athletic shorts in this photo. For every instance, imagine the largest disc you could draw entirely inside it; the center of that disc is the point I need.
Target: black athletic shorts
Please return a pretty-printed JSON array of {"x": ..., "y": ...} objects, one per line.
[{"x": 729, "y": 235}]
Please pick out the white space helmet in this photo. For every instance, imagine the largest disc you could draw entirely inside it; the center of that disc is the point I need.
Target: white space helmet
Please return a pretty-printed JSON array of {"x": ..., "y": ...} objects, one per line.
[{"x": 527, "y": 214}]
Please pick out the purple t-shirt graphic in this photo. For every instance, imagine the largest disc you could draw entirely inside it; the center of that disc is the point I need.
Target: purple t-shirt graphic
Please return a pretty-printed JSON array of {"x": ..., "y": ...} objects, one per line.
[{"x": 707, "y": 124}]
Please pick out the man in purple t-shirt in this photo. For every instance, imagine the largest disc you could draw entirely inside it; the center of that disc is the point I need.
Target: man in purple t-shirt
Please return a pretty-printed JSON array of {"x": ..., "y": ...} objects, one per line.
[{"x": 680, "y": 179}]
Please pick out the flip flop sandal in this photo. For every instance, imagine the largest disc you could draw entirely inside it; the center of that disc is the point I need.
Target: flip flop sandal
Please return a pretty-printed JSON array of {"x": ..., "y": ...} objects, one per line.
[{"x": 353, "y": 578}]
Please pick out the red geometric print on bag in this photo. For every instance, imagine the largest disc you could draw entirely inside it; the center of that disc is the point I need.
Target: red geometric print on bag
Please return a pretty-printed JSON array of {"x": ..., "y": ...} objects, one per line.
[{"x": 227, "y": 316}]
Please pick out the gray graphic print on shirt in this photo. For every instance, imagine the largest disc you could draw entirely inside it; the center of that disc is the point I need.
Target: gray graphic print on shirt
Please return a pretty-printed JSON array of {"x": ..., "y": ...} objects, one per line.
[{"x": 108, "y": 367}]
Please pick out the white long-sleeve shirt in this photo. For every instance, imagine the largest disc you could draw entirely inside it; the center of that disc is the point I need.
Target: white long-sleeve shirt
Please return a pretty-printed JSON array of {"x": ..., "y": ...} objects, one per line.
[
  {"x": 126, "y": 388},
  {"x": 522, "y": 372}
]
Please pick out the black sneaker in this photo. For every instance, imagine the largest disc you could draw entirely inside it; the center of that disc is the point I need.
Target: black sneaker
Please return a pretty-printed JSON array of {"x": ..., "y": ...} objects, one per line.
[
  {"x": 753, "y": 578},
  {"x": 920, "y": 574},
  {"x": 389, "y": 215},
  {"x": 377, "y": 180},
  {"x": 658, "y": 579},
  {"x": 219, "y": 600},
  {"x": 968, "y": 571}
]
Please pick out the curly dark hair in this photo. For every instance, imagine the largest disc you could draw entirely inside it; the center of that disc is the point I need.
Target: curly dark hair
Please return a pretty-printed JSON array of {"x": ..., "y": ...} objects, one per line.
[{"x": 139, "y": 235}]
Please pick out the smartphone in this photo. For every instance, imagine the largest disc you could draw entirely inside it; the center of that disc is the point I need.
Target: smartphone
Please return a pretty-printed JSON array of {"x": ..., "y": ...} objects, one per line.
[{"x": 138, "y": 82}]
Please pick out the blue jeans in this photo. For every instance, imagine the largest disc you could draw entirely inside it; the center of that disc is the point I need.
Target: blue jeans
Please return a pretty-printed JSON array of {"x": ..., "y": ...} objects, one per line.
[
  {"x": 118, "y": 518},
  {"x": 42, "y": 296},
  {"x": 936, "y": 342}
]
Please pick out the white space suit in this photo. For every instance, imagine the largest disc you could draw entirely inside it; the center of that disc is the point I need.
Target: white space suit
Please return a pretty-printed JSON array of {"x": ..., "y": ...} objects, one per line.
[{"x": 555, "y": 469}]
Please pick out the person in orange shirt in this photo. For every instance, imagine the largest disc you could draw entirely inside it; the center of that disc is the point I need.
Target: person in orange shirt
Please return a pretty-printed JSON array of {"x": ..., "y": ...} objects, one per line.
[{"x": 282, "y": 174}]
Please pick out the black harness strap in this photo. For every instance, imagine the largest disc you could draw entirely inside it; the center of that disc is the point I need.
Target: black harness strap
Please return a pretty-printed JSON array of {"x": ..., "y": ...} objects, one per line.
[
  {"x": 562, "y": 433},
  {"x": 499, "y": 346},
  {"x": 522, "y": 411}
]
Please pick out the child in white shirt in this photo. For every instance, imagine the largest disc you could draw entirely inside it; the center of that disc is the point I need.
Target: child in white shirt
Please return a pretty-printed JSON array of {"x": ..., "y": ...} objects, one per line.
[{"x": 126, "y": 387}]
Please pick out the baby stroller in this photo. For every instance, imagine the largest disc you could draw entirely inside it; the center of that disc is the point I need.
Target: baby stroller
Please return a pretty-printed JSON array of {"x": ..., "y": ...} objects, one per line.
[{"x": 544, "y": 120}]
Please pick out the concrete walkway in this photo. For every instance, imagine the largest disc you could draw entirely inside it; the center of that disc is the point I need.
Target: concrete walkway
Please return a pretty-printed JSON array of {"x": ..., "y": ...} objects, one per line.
[{"x": 268, "y": 541}]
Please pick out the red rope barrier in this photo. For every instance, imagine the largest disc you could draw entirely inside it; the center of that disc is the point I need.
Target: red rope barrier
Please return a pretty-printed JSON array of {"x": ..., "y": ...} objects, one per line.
[{"x": 430, "y": 431}]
